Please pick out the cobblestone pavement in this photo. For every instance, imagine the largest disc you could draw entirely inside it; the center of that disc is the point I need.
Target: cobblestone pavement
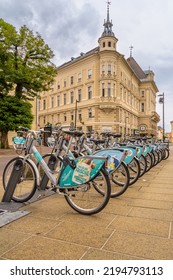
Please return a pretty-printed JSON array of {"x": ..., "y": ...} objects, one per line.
[{"x": 137, "y": 225}]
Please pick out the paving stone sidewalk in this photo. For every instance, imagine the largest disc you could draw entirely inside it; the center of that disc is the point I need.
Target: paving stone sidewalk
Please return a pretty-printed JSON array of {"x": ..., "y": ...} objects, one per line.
[{"x": 138, "y": 225}]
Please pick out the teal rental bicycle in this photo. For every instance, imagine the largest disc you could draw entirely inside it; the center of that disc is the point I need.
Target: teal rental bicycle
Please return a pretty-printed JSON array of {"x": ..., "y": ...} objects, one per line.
[{"x": 76, "y": 179}]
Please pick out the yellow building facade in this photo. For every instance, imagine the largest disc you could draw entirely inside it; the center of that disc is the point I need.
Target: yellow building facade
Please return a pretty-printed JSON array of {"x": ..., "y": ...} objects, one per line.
[{"x": 100, "y": 90}]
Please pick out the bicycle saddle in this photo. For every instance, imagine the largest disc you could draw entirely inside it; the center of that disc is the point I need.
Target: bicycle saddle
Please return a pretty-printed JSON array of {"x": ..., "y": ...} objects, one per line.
[
  {"x": 97, "y": 141},
  {"x": 74, "y": 132},
  {"x": 116, "y": 135}
]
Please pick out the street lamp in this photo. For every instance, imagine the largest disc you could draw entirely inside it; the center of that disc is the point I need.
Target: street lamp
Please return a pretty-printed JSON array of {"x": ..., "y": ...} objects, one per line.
[
  {"x": 162, "y": 101},
  {"x": 75, "y": 118},
  {"x": 125, "y": 131}
]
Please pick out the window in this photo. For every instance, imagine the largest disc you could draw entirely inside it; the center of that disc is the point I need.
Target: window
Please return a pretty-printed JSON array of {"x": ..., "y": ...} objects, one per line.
[
  {"x": 65, "y": 98},
  {"x": 79, "y": 95},
  {"x": 58, "y": 118},
  {"x": 103, "y": 44},
  {"x": 52, "y": 101},
  {"x": 80, "y": 117},
  {"x": 103, "y": 90},
  {"x": 109, "y": 89},
  {"x": 71, "y": 80},
  {"x": 58, "y": 85},
  {"x": 89, "y": 113},
  {"x": 109, "y": 69},
  {"x": 72, "y": 116},
  {"x": 39, "y": 105},
  {"x": 65, "y": 83},
  {"x": 125, "y": 96},
  {"x": 109, "y": 44},
  {"x": 58, "y": 100},
  {"x": 44, "y": 104},
  {"x": 142, "y": 93},
  {"x": 90, "y": 92},
  {"x": 79, "y": 77},
  {"x": 89, "y": 73},
  {"x": 121, "y": 93},
  {"x": 103, "y": 69},
  {"x": 72, "y": 97},
  {"x": 142, "y": 107},
  {"x": 65, "y": 117}
]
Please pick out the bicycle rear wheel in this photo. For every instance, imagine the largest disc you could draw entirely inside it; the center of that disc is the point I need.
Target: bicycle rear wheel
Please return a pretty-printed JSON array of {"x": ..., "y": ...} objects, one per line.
[
  {"x": 120, "y": 179},
  {"x": 143, "y": 165},
  {"x": 85, "y": 198},
  {"x": 149, "y": 162},
  {"x": 166, "y": 153},
  {"x": 26, "y": 185},
  {"x": 134, "y": 170}
]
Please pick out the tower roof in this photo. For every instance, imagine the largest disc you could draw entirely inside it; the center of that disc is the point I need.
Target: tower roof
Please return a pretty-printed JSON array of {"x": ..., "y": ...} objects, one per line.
[{"x": 108, "y": 24}]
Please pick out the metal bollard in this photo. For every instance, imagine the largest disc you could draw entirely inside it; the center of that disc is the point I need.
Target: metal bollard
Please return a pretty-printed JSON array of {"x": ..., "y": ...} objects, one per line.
[
  {"x": 51, "y": 164},
  {"x": 13, "y": 180}
]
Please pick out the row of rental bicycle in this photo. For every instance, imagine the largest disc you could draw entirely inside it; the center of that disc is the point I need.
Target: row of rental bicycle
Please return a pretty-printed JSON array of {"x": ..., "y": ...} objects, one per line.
[{"x": 87, "y": 172}]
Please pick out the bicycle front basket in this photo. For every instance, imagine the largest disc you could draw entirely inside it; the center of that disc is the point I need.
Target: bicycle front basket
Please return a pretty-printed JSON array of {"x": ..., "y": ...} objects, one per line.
[{"x": 19, "y": 142}]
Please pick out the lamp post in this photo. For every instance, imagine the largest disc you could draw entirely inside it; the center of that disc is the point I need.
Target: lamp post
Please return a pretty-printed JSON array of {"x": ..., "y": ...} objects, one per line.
[
  {"x": 162, "y": 101},
  {"x": 75, "y": 117},
  {"x": 125, "y": 131}
]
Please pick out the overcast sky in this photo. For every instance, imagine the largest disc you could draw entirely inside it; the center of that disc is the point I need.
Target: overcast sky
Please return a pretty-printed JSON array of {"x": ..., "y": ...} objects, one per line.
[{"x": 73, "y": 26}]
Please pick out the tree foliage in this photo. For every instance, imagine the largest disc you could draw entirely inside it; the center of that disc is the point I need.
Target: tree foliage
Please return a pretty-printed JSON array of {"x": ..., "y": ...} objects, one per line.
[
  {"x": 25, "y": 62},
  {"x": 14, "y": 112}
]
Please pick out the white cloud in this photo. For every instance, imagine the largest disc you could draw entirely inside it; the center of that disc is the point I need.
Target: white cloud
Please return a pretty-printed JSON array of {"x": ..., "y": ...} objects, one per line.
[{"x": 72, "y": 26}]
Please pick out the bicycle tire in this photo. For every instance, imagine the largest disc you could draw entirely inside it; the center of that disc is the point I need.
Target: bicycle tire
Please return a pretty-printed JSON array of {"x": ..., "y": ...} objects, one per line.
[
  {"x": 85, "y": 199},
  {"x": 134, "y": 170},
  {"x": 156, "y": 158},
  {"x": 120, "y": 179},
  {"x": 166, "y": 154},
  {"x": 160, "y": 155},
  {"x": 143, "y": 165},
  {"x": 27, "y": 185},
  {"x": 149, "y": 162}
]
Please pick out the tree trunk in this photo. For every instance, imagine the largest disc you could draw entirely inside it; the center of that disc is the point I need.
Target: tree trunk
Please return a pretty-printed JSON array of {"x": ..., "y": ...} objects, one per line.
[
  {"x": 18, "y": 91},
  {"x": 4, "y": 140}
]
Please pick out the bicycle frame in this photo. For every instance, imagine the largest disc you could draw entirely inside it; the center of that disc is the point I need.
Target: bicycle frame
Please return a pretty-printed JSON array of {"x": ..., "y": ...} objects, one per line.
[{"x": 72, "y": 172}]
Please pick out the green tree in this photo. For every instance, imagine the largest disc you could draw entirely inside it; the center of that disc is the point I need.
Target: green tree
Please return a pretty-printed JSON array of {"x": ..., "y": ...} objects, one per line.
[
  {"x": 7, "y": 32},
  {"x": 14, "y": 112},
  {"x": 25, "y": 62}
]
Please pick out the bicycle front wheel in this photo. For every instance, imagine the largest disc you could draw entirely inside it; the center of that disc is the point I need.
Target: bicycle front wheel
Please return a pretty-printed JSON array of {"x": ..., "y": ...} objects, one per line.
[
  {"x": 26, "y": 185},
  {"x": 86, "y": 199}
]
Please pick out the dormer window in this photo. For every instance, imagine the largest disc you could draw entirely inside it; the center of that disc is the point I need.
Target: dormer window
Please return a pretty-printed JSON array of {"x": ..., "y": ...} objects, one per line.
[{"x": 109, "y": 44}]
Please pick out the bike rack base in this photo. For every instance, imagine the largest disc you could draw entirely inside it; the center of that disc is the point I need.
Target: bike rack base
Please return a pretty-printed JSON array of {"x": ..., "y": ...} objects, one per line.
[{"x": 7, "y": 217}]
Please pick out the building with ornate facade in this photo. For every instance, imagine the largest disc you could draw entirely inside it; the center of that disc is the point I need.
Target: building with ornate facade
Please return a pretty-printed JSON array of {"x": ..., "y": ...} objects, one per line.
[
  {"x": 171, "y": 133},
  {"x": 100, "y": 90}
]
